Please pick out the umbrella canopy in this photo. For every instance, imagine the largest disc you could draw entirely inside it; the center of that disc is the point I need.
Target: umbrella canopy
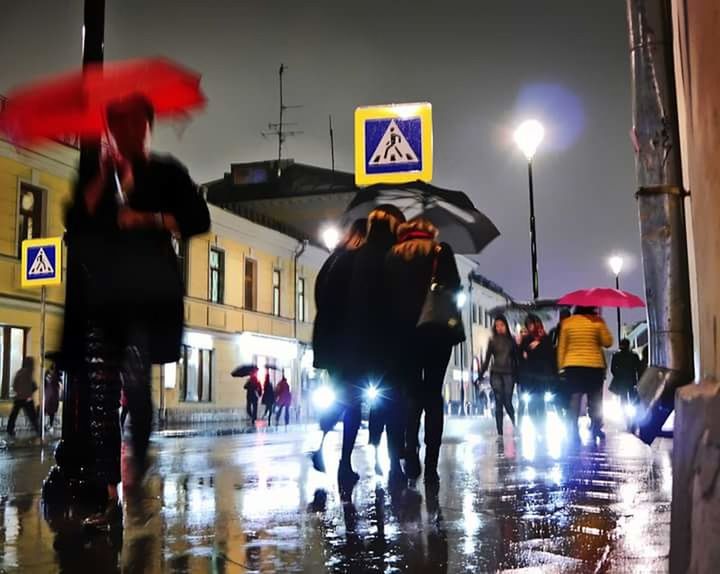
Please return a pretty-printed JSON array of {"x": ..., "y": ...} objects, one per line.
[
  {"x": 247, "y": 370},
  {"x": 461, "y": 225},
  {"x": 75, "y": 103},
  {"x": 602, "y": 297}
]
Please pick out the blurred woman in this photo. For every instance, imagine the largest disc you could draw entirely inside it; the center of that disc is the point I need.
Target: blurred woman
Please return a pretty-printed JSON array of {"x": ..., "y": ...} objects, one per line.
[
  {"x": 268, "y": 398},
  {"x": 502, "y": 358},
  {"x": 583, "y": 338},
  {"x": 538, "y": 355},
  {"x": 421, "y": 358},
  {"x": 284, "y": 400}
]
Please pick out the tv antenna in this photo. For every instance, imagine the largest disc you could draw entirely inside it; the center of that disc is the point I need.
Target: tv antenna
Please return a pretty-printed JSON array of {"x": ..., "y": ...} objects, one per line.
[{"x": 280, "y": 129}]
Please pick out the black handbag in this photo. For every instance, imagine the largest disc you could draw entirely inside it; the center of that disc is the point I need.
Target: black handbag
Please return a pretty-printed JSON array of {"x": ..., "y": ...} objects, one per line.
[{"x": 440, "y": 316}]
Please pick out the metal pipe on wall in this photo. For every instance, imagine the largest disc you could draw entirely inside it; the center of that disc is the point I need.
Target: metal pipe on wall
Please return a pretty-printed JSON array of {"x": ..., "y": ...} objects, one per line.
[{"x": 661, "y": 211}]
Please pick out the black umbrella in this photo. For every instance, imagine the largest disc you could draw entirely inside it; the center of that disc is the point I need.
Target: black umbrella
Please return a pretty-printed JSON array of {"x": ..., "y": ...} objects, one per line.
[
  {"x": 460, "y": 223},
  {"x": 247, "y": 370},
  {"x": 516, "y": 311}
]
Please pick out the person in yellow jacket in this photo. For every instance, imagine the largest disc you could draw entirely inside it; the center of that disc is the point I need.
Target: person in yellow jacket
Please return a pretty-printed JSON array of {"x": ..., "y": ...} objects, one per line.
[{"x": 583, "y": 338}]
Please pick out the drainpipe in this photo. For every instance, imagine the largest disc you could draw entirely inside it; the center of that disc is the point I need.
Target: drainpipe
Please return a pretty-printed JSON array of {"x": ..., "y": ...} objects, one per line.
[
  {"x": 299, "y": 250},
  {"x": 661, "y": 210}
]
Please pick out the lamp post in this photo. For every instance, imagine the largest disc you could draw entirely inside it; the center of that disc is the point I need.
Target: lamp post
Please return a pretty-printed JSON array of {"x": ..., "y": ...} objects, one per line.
[
  {"x": 528, "y": 137},
  {"x": 616, "y": 264}
]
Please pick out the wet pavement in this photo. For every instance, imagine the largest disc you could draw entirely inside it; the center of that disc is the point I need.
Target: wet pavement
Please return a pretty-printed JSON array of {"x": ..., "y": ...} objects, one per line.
[{"x": 252, "y": 503}]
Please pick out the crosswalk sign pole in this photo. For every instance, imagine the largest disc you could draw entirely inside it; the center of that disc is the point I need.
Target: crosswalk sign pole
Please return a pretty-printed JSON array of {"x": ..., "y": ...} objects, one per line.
[{"x": 43, "y": 297}]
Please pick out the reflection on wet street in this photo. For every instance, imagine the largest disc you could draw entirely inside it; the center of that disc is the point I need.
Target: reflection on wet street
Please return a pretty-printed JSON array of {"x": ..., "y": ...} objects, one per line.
[{"x": 253, "y": 503}]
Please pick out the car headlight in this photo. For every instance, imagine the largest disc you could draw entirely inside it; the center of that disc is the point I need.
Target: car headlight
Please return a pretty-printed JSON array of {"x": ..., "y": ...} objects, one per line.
[
  {"x": 549, "y": 397},
  {"x": 323, "y": 397},
  {"x": 372, "y": 393},
  {"x": 526, "y": 398}
]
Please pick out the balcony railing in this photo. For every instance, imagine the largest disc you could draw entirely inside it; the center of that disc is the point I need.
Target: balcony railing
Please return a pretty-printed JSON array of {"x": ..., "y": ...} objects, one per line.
[{"x": 72, "y": 141}]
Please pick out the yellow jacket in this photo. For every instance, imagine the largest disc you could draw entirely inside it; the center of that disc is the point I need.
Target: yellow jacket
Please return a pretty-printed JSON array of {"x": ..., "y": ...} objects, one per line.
[{"x": 582, "y": 339}]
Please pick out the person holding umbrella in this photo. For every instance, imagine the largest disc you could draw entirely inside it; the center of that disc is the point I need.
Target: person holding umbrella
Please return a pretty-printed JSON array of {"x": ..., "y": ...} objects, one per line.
[
  {"x": 253, "y": 391},
  {"x": 124, "y": 307},
  {"x": 583, "y": 338}
]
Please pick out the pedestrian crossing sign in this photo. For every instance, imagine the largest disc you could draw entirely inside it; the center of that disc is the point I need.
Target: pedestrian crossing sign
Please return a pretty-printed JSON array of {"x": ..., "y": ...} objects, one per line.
[
  {"x": 41, "y": 262},
  {"x": 393, "y": 143}
]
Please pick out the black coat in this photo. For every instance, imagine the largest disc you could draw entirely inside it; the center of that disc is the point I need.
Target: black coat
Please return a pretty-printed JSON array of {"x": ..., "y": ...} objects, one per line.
[
  {"x": 332, "y": 289},
  {"x": 539, "y": 361},
  {"x": 408, "y": 280},
  {"x": 366, "y": 319},
  {"x": 106, "y": 263},
  {"x": 626, "y": 368}
]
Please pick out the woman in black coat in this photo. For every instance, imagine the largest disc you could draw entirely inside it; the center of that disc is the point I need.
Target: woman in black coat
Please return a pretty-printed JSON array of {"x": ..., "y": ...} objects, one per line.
[
  {"x": 124, "y": 299},
  {"x": 421, "y": 360}
]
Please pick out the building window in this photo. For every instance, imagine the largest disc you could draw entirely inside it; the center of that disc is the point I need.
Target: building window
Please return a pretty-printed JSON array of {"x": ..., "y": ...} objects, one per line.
[
  {"x": 197, "y": 367},
  {"x": 217, "y": 275},
  {"x": 474, "y": 314},
  {"x": 301, "y": 300},
  {"x": 30, "y": 215},
  {"x": 12, "y": 352},
  {"x": 250, "y": 284},
  {"x": 276, "y": 293}
]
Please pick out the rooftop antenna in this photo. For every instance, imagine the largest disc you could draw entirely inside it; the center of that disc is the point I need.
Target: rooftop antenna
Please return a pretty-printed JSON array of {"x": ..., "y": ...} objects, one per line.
[
  {"x": 332, "y": 143},
  {"x": 279, "y": 129}
]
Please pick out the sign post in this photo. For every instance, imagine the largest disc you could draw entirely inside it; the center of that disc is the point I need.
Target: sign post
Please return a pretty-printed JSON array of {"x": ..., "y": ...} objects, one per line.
[
  {"x": 41, "y": 264},
  {"x": 393, "y": 144}
]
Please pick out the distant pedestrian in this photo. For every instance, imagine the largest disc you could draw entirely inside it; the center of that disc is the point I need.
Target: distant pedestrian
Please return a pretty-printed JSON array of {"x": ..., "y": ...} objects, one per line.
[
  {"x": 421, "y": 358},
  {"x": 24, "y": 387},
  {"x": 268, "y": 398},
  {"x": 52, "y": 394},
  {"x": 538, "y": 355},
  {"x": 581, "y": 356},
  {"x": 253, "y": 390},
  {"x": 283, "y": 398},
  {"x": 626, "y": 369},
  {"x": 502, "y": 359}
]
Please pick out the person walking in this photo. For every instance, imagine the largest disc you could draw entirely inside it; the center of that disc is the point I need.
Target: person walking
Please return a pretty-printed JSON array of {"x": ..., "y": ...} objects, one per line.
[
  {"x": 626, "y": 369},
  {"x": 124, "y": 297},
  {"x": 284, "y": 400},
  {"x": 52, "y": 394},
  {"x": 581, "y": 356},
  {"x": 332, "y": 289},
  {"x": 253, "y": 391},
  {"x": 538, "y": 356},
  {"x": 24, "y": 387},
  {"x": 366, "y": 329},
  {"x": 420, "y": 357},
  {"x": 268, "y": 398},
  {"x": 562, "y": 395},
  {"x": 502, "y": 358}
]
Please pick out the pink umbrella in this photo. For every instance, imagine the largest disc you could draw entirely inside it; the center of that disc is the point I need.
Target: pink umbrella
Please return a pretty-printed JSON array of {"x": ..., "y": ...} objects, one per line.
[{"x": 602, "y": 297}]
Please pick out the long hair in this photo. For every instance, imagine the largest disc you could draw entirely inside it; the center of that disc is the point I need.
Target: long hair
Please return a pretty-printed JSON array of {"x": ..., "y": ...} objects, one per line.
[
  {"x": 355, "y": 235},
  {"x": 502, "y": 319},
  {"x": 416, "y": 238},
  {"x": 382, "y": 225}
]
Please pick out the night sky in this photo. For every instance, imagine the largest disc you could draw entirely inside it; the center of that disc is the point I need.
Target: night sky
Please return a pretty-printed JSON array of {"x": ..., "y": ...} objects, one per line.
[{"x": 484, "y": 66}]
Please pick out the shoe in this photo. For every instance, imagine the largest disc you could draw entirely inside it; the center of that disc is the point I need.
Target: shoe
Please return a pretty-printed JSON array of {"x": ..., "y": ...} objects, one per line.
[
  {"x": 412, "y": 465},
  {"x": 111, "y": 516},
  {"x": 318, "y": 460}
]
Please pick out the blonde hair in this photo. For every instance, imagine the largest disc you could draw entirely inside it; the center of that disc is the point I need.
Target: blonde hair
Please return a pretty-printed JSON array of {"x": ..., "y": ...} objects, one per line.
[{"x": 409, "y": 246}]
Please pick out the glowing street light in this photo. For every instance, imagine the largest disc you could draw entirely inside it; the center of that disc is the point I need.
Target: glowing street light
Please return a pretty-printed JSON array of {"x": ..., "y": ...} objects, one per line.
[
  {"x": 331, "y": 237},
  {"x": 528, "y": 137}
]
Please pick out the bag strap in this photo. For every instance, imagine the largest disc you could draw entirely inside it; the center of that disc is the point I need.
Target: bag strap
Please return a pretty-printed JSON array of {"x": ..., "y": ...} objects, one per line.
[{"x": 436, "y": 256}]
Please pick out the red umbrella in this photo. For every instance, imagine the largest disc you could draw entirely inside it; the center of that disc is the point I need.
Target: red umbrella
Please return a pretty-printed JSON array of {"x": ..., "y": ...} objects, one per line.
[
  {"x": 602, "y": 297},
  {"x": 75, "y": 103}
]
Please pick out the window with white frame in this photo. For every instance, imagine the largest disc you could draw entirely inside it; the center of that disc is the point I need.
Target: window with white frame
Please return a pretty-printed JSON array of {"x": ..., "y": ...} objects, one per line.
[{"x": 301, "y": 300}]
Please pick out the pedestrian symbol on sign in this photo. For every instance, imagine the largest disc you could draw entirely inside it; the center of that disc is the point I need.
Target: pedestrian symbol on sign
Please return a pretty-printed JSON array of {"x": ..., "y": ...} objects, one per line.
[
  {"x": 41, "y": 265},
  {"x": 393, "y": 148}
]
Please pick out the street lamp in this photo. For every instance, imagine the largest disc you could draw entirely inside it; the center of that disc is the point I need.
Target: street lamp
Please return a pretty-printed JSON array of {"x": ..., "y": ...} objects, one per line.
[
  {"x": 331, "y": 237},
  {"x": 528, "y": 137},
  {"x": 616, "y": 264}
]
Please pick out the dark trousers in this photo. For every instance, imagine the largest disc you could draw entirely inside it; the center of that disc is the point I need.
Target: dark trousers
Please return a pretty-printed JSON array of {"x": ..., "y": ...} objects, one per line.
[
  {"x": 252, "y": 408},
  {"x": 502, "y": 386},
  {"x": 28, "y": 407},
  {"x": 588, "y": 381},
  {"x": 388, "y": 414},
  {"x": 279, "y": 412},
  {"x": 424, "y": 381},
  {"x": 138, "y": 391},
  {"x": 269, "y": 409}
]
